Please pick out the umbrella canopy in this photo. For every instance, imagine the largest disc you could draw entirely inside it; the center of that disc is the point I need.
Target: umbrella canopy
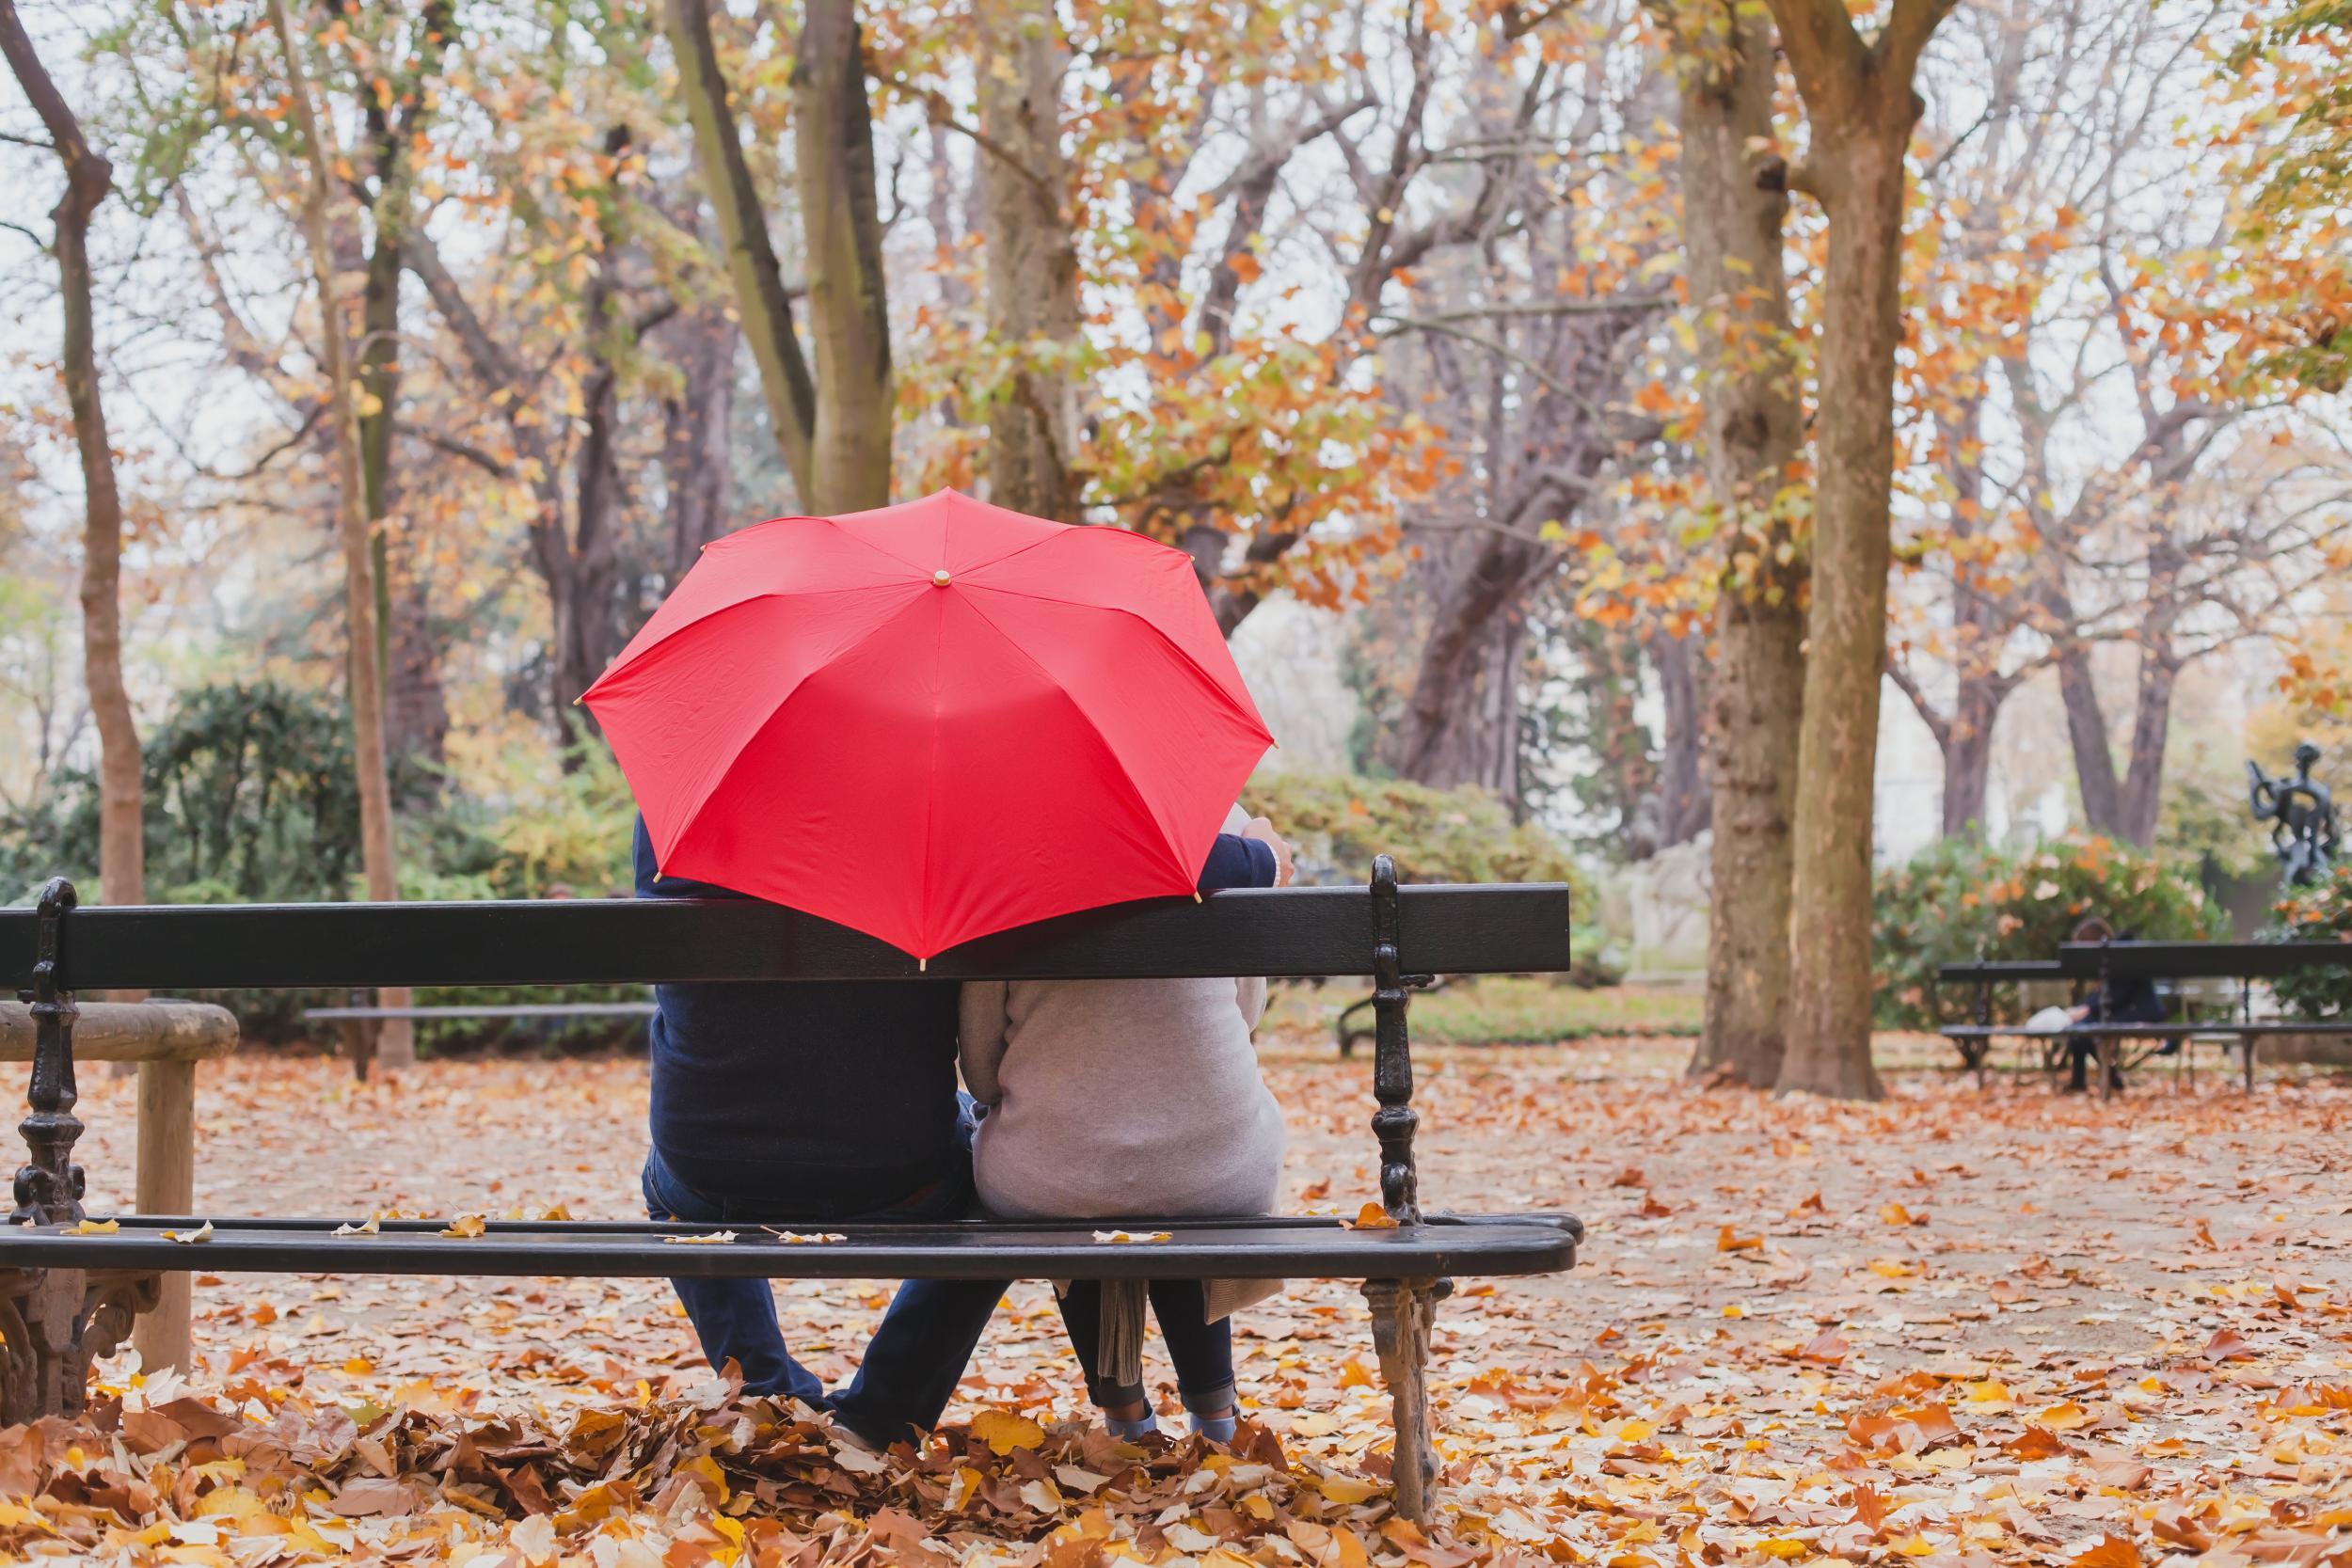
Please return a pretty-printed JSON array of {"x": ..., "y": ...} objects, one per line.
[{"x": 935, "y": 720}]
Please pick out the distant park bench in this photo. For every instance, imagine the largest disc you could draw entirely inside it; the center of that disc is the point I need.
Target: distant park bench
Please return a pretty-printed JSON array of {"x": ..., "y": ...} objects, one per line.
[
  {"x": 2189, "y": 969},
  {"x": 352, "y": 1018},
  {"x": 69, "y": 1292}
]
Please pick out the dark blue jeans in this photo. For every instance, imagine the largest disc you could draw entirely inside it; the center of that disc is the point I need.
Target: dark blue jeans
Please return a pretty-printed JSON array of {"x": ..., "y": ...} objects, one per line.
[
  {"x": 918, "y": 1352},
  {"x": 1203, "y": 1351}
]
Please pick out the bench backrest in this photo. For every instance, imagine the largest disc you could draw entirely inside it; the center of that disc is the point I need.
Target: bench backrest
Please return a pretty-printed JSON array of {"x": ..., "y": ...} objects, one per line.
[
  {"x": 2199, "y": 961},
  {"x": 1286, "y": 933},
  {"x": 1994, "y": 970}
]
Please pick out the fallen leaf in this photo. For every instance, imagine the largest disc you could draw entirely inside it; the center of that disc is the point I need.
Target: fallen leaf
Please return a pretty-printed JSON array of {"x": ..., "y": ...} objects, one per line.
[
  {"x": 1004, "y": 1430},
  {"x": 2112, "y": 1551}
]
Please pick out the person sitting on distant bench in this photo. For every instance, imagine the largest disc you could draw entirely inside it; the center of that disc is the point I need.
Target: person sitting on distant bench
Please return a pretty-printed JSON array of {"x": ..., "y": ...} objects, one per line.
[{"x": 2129, "y": 1001}]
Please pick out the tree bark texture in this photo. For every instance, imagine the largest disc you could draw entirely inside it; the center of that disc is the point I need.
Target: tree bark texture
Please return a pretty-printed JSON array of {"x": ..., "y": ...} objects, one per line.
[
  {"x": 1683, "y": 805},
  {"x": 1967, "y": 743},
  {"x": 1033, "y": 311},
  {"x": 696, "y": 476},
  {"x": 416, "y": 716},
  {"x": 831, "y": 418},
  {"x": 1461, "y": 724},
  {"x": 1861, "y": 107},
  {"x": 2125, "y": 805},
  {"x": 760, "y": 299},
  {"x": 1735, "y": 205},
  {"x": 396, "y": 1043},
  {"x": 88, "y": 178},
  {"x": 832, "y": 136}
]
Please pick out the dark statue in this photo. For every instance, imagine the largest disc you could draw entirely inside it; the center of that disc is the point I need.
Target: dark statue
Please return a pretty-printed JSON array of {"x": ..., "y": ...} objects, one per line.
[{"x": 2302, "y": 818}]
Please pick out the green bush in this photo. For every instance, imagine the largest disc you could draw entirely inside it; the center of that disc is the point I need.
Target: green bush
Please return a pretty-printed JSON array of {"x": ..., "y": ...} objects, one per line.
[
  {"x": 2319, "y": 914},
  {"x": 1960, "y": 899},
  {"x": 250, "y": 799},
  {"x": 1338, "y": 822}
]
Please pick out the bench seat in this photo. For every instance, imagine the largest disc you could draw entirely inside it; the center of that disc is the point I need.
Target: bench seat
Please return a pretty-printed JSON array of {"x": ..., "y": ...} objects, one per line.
[{"x": 1273, "y": 1247}]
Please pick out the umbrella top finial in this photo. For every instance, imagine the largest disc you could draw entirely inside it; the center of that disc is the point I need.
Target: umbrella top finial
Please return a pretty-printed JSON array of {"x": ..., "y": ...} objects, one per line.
[{"x": 941, "y": 577}]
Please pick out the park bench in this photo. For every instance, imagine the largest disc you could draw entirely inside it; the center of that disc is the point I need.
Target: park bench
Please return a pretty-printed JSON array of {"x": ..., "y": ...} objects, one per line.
[
  {"x": 2185, "y": 965},
  {"x": 68, "y": 1293},
  {"x": 352, "y": 1018}
]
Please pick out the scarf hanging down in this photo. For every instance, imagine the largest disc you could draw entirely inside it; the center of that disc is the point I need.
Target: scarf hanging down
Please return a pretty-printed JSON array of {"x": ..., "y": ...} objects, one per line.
[{"x": 1120, "y": 1361}]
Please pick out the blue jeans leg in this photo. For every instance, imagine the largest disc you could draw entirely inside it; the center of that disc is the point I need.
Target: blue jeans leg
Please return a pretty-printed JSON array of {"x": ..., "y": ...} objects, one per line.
[
  {"x": 918, "y": 1353},
  {"x": 735, "y": 1318},
  {"x": 918, "y": 1356}
]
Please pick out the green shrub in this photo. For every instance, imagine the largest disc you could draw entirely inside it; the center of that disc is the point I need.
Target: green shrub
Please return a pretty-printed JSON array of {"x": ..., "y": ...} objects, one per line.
[
  {"x": 1960, "y": 899},
  {"x": 1338, "y": 822},
  {"x": 2318, "y": 914}
]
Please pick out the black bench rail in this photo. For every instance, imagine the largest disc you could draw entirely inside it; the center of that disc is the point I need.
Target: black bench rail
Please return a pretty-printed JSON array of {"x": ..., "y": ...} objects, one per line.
[
  {"x": 2198, "y": 960},
  {"x": 1280, "y": 1248},
  {"x": 1992, "y": 970},
  {"x": 1279, "y": 933}
]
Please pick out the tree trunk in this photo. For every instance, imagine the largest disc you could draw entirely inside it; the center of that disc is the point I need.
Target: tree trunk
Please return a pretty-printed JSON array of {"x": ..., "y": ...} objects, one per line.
[
  {"x": 582, "y": 571},
  {"x": 2127, "y": 806},
  {"x": 832, "y": 136},
  {"x": 1683, "y": 805},
  {"x": 1861, "y": 107},
  {"x": 761, "y": 301},
  {"x": 416, "y": 715},
  {"x": 697, "y": 478},
  {"x": 2152, "y": 726},
  {"x": 832, "y": 421},
  {"x": 1032, "y": 259},
  {"x": 1967, "y": 743},
  {"x": 1461, "y": 723},
  {"x": 89, "y": 177},
  {"x": 2086, "y": 736},
  {"x": 396, "y": 1044},
  {"x": 416, "y": 704},
  {"x": 1735, "y": 205}
]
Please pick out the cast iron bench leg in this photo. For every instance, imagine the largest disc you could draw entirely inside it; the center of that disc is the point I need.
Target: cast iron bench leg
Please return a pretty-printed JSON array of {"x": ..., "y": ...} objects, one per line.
[
  {"x": 2246, "y": 1049},
  {"x": 1400, "y": 1312},
  {"x": 57, "y": 1321}
]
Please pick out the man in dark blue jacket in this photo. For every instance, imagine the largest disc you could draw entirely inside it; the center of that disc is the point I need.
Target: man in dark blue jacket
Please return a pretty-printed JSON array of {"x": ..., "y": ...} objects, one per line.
[{"x": 822, "y": 1102}]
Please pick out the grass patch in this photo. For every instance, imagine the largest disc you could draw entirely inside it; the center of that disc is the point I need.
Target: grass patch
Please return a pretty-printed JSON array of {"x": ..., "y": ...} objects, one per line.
[{"x": 1504, "y": 1010}]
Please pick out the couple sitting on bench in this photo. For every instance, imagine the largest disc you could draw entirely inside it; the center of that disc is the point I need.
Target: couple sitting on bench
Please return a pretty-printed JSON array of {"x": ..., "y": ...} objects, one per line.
[{"x": 824, "y": 1103}]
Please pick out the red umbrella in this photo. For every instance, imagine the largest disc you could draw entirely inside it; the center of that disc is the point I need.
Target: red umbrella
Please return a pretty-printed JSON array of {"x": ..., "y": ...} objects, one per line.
[{"x": 935, "y": 720}]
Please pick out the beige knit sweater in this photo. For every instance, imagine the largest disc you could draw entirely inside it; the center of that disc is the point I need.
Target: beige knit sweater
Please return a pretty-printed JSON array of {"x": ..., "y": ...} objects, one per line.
[{"x": 1120, "y": 1098}]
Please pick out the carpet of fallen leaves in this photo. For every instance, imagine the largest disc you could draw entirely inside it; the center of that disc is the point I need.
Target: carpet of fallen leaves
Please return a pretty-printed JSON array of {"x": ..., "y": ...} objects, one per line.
[{"x": 1954, "y": 1328}]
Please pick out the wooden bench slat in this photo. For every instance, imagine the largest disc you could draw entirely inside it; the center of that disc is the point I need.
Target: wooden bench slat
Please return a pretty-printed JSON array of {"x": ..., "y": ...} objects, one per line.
[
  {"x": 1268, "y": 1249},
  {"x": 1280, "y": 933}
]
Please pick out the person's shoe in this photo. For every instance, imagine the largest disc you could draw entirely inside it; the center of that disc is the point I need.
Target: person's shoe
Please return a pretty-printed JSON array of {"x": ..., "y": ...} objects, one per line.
[{"x": 1142, "y": 1426}]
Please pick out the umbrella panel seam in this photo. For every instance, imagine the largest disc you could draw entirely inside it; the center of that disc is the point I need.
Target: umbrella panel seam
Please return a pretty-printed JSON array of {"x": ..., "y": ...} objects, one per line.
[
  {"x": 1250, "y": 709},
  {"x": 1175, "y": 851}
]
